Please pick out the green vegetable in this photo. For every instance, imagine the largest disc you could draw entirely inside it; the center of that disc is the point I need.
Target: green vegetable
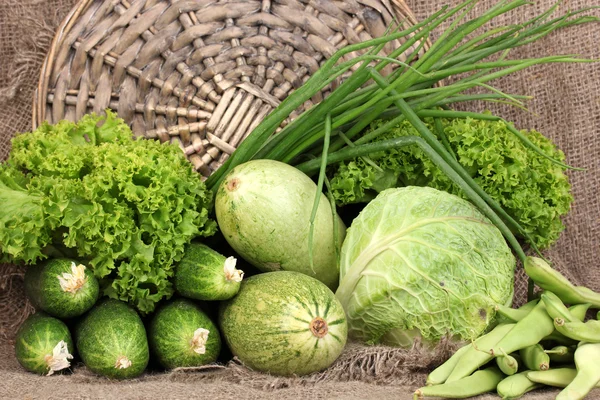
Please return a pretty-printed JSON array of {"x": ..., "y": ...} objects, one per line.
[
  {"x": 556, "y": 309},
  {"x": 478, "y": 353},
  {"x": 411, "y": 89},
  {"x": 204, "y": 274},
  {"x": 558, "y": 377},
  {"x": 431, "y": 252},
  {"x": 480, "y": 382},
  {"x": 531, "y": 188},
  {"x": 514, "y": 315},
  {"x": 263, "y": 209},
  {"x": 284, "y": 323},
  {"x": 535, "y": 358},
  {"x": 43, "y": 344},
  {"x": 111, "y": 340},
  {"x": 588, "y": 372},
  {"x": 124, "y": 207},
  {"x": 527, "y": 332},
  {"x": 181, "y": 335},
  {"x": 561, "y": 355},
  {"x": 507, "y": 364},
  {"x": 553, "y": 281},
  {"x": 61, "y": 287},
  {"x": 515, "y": 386},
  {"x": 579, "y": 310},
  {"x": 441, "y": 373},
  {"x": 579, "y": 331}
]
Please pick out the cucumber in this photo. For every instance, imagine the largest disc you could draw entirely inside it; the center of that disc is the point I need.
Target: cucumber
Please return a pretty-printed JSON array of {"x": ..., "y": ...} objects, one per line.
[
  {"x": 61, "y": 287},
  {"x": 43, "y": 344},
  {"x": 284, "y": 323},
  {"x": 111, "y": 340},
  {"x": 181, "y": 335},
  {"x": 204, "y": 274}
]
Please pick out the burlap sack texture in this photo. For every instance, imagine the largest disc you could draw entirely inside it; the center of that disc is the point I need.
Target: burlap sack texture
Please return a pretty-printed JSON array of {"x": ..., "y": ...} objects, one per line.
[{"x": 566, "y": 108}]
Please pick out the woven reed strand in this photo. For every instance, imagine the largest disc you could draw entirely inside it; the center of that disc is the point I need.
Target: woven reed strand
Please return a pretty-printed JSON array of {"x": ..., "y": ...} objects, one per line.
[{"x": 200, "y": 73}]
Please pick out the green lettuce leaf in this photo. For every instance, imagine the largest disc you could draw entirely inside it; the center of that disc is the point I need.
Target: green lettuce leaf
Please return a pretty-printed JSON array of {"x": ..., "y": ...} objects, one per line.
[
  {"x": 90, "y": 190},
  {"x": 529, "y": 187}
]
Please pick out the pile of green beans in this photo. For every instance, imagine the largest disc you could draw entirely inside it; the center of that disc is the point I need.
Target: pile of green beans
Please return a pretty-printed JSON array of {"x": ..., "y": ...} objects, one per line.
[{"x": 546, "y": 342}]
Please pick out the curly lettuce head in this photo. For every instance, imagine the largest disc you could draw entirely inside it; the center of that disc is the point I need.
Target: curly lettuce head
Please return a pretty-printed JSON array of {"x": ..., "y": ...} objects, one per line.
[
  {"x": 90, "y": 190},
  {"x": 531, "y": 189},
  {"x": 420, "y": 262}
]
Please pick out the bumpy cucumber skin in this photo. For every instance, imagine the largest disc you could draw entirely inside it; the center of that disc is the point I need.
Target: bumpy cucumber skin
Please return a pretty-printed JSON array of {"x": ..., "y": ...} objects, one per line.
[
  {"x": 267, "y": 325},
  {"x": 200, "y": 275},
  {"x": 36, "y": 338},
  {"x": 110, "y": 330},
  {"x": 172, "y": 330},
  {"x": 42, "y": 287},
  {"x": 263, "y": 209}
]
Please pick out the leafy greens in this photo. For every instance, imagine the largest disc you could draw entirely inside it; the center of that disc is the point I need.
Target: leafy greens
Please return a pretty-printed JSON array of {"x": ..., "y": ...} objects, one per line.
[
  {"x": 420, "y": 262},
  {"x": 90, "y": 190},
  {"x": 531, "y": 188}
]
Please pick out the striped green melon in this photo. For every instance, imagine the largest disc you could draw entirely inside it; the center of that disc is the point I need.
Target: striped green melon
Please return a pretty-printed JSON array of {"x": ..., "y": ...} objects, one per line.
[
  {"x": 204, "y": 274},
  {"x": 264, "y": 208},
  {"x": 61, "y": 287},
  {"x": 284, "y": 323},
  {"x": 43, "y": 344},
  {"x": 111, "y": 340},
  {"x": 181, "y": 335}
]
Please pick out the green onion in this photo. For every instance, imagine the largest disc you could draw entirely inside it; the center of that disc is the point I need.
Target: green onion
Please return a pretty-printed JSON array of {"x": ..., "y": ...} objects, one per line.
[
  {"x": 313, "y": 214},
  {"x": 410, "y": 92}
]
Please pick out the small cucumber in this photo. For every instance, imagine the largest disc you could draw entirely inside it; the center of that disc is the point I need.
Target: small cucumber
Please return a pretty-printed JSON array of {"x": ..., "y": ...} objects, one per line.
[
  {"x": 111, "y": 340},
  {"x": 181, "y": 335},
  {"x": 43, "y": 344},
  {"x": 204, "y": 274},
  {"x": 61, "y": 287}
]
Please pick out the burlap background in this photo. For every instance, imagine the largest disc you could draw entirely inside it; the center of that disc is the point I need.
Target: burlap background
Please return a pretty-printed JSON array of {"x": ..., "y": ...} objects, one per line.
[{"x": 566, "y": 108}]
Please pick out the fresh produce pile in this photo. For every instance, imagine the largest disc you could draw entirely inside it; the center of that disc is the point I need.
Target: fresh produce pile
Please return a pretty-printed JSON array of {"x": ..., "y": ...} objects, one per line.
[
  {"x": 415, "y": 239},
  {"x": 541, "y": 343},
  {"x": 124, "y": 207}
]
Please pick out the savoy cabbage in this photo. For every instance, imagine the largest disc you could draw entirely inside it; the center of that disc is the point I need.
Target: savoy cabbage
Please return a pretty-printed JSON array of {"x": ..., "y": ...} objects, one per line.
[{"x": 420, "y": 262}]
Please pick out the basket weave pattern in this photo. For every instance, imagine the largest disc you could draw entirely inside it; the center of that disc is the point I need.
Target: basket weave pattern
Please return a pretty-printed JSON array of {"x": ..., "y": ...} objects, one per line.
[{"x": 200, "y": 73}]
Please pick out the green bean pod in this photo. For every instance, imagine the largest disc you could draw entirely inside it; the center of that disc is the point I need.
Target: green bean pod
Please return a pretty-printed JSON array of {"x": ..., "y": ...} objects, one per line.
[
  {"x": 478, "y": 353},
  {"x": 560, "y": 339},
  {"x": 580, "y": 331},
  {"x": 580, "y": 310},
  {"x": 515, "y": 386},
  {"x": 527, "y": 332},
  {"x": 551, "y": 280},
  {"x": 535, "y": 358},
  {"x": 561, "y": 354},
  {"x": 515, "y": 314},
  {"x": 588, "y": 372},
  {"x": 591, "y": 297},
  {"x": 598, "y": 315},
  {"x": 480, "y": 382},
  {"x": 556, "y": 308},
  {"x": 507, "y": 364},
  {"x": 441, "y": 373},
  {"x": 557, "y": 377}
]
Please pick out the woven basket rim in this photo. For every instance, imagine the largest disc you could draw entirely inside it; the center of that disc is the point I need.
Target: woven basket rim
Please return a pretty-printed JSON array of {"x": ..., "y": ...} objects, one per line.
[
  {"x": 41, "y": 92},
  {"x": 398, "y": 9}
]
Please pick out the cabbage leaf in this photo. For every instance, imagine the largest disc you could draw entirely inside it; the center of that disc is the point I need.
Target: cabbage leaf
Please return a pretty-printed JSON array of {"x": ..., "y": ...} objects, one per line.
[{"x": 420, "y": 262}]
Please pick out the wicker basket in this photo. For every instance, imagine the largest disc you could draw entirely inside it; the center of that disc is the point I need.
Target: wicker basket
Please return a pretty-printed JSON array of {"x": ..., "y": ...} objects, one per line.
[{"x": 201, "y": 73}]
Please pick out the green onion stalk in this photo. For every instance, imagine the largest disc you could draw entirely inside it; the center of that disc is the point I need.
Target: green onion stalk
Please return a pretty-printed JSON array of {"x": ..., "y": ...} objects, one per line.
[{"x": 330, "y": 131}]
